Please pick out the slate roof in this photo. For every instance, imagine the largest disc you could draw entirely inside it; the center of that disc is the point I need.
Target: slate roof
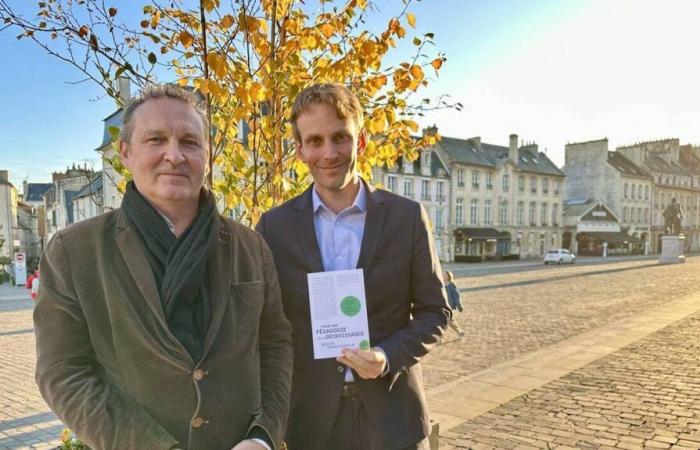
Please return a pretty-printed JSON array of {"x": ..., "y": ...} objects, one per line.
[
  {"x": 578, "y": 208},
  {"x": 435, "y": 166},
  {"x": 94, "y": 187},
  {"x": 623, "y": 165},
  {"x": 658, "y": 164},
  {"x": 35, "y": 191},
  {"x": 465, "y": 151}
]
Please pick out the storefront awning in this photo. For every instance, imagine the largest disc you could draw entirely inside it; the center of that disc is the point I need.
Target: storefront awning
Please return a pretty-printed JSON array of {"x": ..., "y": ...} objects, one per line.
[
  {"x": 481, "y": 233},
  {"x": 613, "y": 237}
]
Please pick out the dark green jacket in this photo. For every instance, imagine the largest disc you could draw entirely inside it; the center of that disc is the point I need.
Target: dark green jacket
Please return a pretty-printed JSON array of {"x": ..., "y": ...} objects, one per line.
[{"x": 110, "y": 368}]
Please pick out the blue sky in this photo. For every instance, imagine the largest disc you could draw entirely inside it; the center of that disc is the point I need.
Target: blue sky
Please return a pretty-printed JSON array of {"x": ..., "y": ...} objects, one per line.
[{"x": 551, "y": 71}]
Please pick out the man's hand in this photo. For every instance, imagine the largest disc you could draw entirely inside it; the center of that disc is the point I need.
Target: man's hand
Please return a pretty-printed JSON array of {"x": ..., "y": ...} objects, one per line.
[
  {"x": 367, "y": 363},
  {"x": 248, "y": 444}
]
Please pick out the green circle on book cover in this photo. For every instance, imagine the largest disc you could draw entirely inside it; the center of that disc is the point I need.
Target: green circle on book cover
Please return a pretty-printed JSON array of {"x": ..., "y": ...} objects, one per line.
[
  {"x": 364, "y": 344},
  {"x": 350, "y": 305}
]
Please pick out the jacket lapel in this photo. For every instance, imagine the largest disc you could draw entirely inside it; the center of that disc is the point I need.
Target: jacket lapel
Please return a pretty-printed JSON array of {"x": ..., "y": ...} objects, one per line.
[
  {"x": 220, "y": 268},
  {"x": 131, "y": 249},
  {"x": 374, "y": 224},
  {"x": 307, "y": 232}
]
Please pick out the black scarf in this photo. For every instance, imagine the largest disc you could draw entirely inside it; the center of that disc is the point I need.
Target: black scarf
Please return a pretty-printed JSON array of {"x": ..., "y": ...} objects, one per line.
[{"x": 178, "y": 264}]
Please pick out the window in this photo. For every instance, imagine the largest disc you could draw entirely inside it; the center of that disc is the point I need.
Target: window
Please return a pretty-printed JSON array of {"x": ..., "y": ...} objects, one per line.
[
  {"x": 408, "y": 188},
  {"x": 639, "y": 215},
  {"x": 475, "y": 179},
  {"x": 425, "y": 160},
  {"x": 487, "y": 212},
  {"x": 555, "y": 214},
  {"x": 533, "y": 185},
  {"x": 521, "y": 183},
  {"x": 489, "y": 184},
  {"x": 459, "y": 212},
  {"x": 391, "y": 183},
  {"x": 626, "y": 190},
  {"x": 521, "y": 213},
  {"x": 506, "y": 183},
  {"x": 545, "y": 185},
  {"x": 439, "y": 226},
  {"x": 646, "y": 192},
  {"x": 633, "y": 192},
  {"x": 474, "y": 212},
  {"x": 503, "y": 213},
  {"x": 460, "y": 177},
  {"x": 440, "y": 194},
  {"x": 425, "y": 189},
  {"x": 531, "y": 213},
  {"x": 646, "y": 215},
  {"x": 543, "y": 214},
  {"x": 557, "y": 187},
  {"x": 625, "y": 215}
]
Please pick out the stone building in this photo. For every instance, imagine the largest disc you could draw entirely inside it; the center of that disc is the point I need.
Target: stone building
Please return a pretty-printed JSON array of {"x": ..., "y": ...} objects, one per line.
[
  {"x": 87, "y": 202},
  {"x": 8, "y": 215},
  {"x": 59, "y": 199},
  {"x": 427, "y": 181},
  {"x": 595, "y": 174},
  {"x": 506, "y": 202},
  {"x": 673, "y": 177}
]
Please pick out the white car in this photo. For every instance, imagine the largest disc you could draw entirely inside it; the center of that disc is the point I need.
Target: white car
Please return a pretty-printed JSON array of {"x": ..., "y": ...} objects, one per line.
[{"x": 559, "y": 256}]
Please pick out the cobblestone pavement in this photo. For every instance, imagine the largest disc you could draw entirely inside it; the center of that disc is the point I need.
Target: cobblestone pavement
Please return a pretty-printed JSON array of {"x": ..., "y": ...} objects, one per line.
[
  {"x": 646, "y": 395},
  {"x": 506, "y": 316},
  {"x": 25, "y": 420}
]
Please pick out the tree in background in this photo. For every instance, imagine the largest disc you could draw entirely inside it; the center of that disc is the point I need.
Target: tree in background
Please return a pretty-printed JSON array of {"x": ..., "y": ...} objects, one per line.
[{"x": 250, "y": 58}]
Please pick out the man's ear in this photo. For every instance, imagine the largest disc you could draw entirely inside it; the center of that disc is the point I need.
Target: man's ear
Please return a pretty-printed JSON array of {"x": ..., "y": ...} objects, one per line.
[
  {"x": 298, "y": 151},
  {"x": 124, "y": 153},
  {"x": 361, "y": 141}
]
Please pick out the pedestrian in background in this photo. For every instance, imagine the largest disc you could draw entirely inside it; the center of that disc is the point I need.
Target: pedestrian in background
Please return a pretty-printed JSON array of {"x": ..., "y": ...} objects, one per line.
[
  {"x": 34, "y": 286},
  {"x": 453, "y": 298}
]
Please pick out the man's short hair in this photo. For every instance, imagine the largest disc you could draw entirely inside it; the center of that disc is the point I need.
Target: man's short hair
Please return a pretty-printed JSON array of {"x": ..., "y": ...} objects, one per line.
[
  {"x": 346, "y": 104},
  {"x": 154, "y": 92}
]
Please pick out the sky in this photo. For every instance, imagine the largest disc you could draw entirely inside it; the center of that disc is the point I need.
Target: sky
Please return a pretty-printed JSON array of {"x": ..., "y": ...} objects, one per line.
[{"x": 550, "y": 71}]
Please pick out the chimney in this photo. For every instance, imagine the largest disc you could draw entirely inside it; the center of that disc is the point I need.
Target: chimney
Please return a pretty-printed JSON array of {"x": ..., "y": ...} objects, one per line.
[
  {"x": 123, "y": 89},
  {"x": 476, "y": 142},
  {"x": 430, "y": 131},
  {"x": 4, "y": 175},
  {"x": 513, "y": 149}
]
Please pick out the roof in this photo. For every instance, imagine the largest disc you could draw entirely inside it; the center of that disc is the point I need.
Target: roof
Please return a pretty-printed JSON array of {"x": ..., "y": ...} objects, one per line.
[
  {"x": 35, "y": 191},
  {"x": 589, "y": 210},
  {"x": 465, "y": 151},
  {"x": 658, "y": 164},
  {"x": 435, "y": 165},
  {"x": 113, "y": 120},
  {"x": 623, "y": 165},
  {"x": 613, "y": 237},
  {"x": 578, "y": 207},
  {"x": 94, "y": 187},
  {"x": 481, "y": 233}
]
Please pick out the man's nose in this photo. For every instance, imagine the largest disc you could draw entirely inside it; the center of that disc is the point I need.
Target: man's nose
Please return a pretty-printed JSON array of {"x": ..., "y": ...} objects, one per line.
[
  {"x": 330, "y": 150},
  {"x": 173, "y": 153}
]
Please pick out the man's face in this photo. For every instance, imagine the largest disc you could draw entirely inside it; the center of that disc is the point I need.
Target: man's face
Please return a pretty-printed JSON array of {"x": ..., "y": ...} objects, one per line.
[
  {"x": 329, "y": 146},
  {"x": 166, "y": 154}
]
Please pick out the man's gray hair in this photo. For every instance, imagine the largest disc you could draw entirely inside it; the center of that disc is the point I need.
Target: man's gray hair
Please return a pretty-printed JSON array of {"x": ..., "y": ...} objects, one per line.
[{"x": 154, "y": 92}]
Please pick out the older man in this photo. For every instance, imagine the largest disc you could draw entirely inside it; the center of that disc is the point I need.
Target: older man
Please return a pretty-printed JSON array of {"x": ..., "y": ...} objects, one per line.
[
  {"x": 159, "y": 325},
  {"x": 369, "y": 399}
]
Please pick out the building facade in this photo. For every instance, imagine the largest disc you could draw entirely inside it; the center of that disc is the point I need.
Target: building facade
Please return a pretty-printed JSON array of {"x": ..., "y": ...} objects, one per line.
[
  {"x": 595, "y": 174},
  {"x": 59, "y": 199},
  {"x": 506, "y": 202},
  {"x": 8, "y": 216},
  {"x": 87, "y": 202},
  {"x": 673, "y": 177},
  {"x": 427, "y": 181}
]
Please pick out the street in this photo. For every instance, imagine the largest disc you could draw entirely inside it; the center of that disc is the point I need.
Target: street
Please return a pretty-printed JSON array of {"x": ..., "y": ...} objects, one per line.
[{"x": 582, "y": 356}]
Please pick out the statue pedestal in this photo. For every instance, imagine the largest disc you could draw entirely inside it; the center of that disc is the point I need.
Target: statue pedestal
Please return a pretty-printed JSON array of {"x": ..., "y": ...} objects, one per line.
[{"x": 672, "y": 249}]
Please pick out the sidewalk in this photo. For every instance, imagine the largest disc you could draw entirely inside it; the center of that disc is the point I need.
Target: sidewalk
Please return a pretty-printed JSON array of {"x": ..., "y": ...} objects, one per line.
[{"x": 631, "y": 384}]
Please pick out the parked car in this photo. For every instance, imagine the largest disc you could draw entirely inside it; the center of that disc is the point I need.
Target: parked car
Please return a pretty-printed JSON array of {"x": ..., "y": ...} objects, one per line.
[{"x": 559, "y": 256}]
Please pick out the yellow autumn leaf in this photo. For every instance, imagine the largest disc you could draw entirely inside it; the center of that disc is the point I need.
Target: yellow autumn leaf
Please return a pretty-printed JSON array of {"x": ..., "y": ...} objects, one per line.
[
  {"x": 226, "y": 21},
  {"x": 416, "y": 72},
  {"x": 327, "y": 30},
  {"x": 185, "y": 38},
  {"x": 411, "y": 19}
]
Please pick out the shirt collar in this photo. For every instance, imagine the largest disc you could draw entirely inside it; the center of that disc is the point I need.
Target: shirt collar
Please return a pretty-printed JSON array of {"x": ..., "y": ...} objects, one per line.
[{"x": 360, "y": 202}]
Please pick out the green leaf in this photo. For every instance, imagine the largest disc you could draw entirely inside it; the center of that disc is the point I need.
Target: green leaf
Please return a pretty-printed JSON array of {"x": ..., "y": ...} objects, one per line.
[{"x": 152, "y": 58}]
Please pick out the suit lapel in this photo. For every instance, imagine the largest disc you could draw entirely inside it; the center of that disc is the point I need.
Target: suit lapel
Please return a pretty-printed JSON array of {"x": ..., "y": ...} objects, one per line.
[
  {"x": 307, "y": 232},
  {"x": 220, "y": 268},
  {"x": 132, "y": 251},
  {"x": 374, "y": 224}
]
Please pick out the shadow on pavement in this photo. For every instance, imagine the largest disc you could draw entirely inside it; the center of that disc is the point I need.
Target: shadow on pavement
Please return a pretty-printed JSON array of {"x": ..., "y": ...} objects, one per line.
[
  {"x": 555, "y": 278},
  {"x": 14, "y": 332}
]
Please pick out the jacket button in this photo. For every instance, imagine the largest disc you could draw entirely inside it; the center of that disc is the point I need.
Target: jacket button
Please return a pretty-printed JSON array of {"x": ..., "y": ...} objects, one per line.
[
  {"x": 197, "y": 422},
  {"x": 199, "y": 375},
  {"x": 341, "y": 369}
]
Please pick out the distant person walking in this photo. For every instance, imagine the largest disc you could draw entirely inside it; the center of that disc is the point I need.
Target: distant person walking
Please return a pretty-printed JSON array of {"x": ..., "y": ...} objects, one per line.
[
  {"x": 453, "y": 298},
  {"x": 34, "y": 287}
]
